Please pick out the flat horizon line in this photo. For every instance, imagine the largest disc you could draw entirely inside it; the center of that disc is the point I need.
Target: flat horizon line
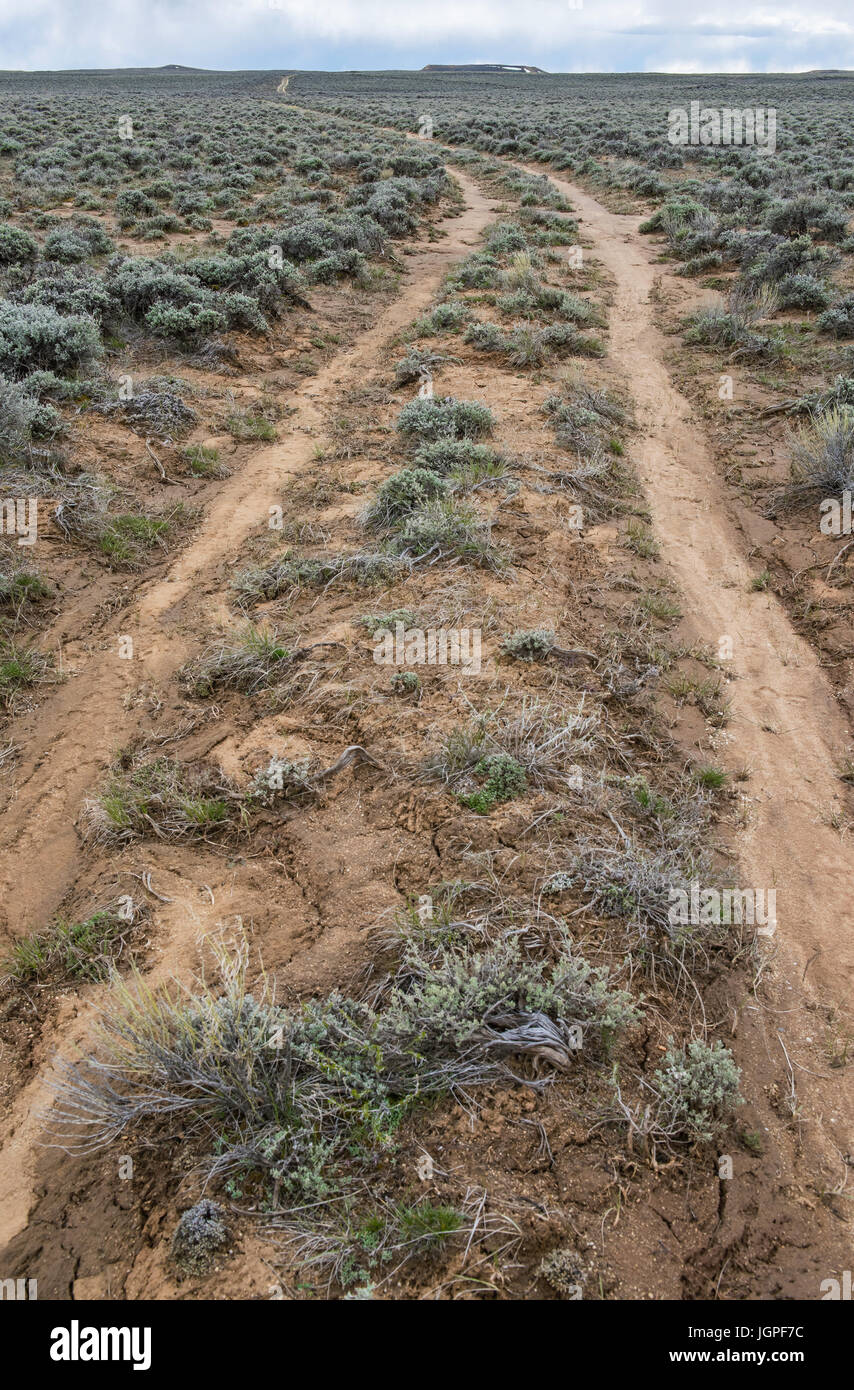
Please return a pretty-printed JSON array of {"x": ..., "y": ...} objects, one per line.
[{"x": 184, "y": 68}]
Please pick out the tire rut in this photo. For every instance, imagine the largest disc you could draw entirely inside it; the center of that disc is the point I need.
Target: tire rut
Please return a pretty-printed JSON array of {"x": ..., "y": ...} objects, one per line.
[
  {"x": 88, "y": 710},
  {"x": 79, "y": 725},
  {"x": 786, "y": 724}
]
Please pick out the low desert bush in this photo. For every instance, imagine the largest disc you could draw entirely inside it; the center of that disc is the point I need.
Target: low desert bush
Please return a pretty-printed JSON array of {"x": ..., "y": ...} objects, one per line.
[
  {"x": 693, "y": 1094},
  {"x": 292, "y": 572},
  {"x": 463, "y": 460},
  {"x": 34, "y": 335},
  {"x": 68, "y": 951},
  {"x": 838, "y": 320},
  {"x": 822, "y": 456},
  {"x": 401, "y": 494},
  {"x": 200, "y": 1235},
  {"x": 293, "y": 1092},
  {"x": 21, "y": 668},
  {"x": 529, "y": 644},
  {"x": 17, "y": 247},
  {"x": 432, "y": 418},
  {"x": 450, "y": 527},
  {"x": 163, "y": 798},
  {"x": 253, "y": 660}
]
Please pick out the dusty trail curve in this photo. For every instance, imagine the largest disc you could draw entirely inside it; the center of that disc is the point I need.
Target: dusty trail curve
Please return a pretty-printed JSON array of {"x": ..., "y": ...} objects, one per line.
[
  {"x": 788, "y": 729},
  {"x": 786, "y": 726},
  {"x": 786, "y": 723},
  {"x": 80, "y": 725}
]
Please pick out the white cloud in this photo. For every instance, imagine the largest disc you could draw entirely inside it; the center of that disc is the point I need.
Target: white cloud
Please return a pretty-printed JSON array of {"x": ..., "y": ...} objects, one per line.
[{"x": 616, "y": 35}]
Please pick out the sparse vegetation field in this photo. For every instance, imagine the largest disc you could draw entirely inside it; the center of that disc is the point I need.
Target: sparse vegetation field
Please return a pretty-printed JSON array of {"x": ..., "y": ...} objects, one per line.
[{"x": 425, "y": 681}]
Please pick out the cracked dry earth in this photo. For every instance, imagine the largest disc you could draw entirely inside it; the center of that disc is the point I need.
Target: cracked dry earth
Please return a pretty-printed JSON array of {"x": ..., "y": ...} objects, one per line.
[{"x": 783, "y": 1223}]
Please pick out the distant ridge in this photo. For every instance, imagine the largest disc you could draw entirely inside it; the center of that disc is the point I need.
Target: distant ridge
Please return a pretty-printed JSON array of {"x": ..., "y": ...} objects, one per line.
[{"x": 480, "y": 67}]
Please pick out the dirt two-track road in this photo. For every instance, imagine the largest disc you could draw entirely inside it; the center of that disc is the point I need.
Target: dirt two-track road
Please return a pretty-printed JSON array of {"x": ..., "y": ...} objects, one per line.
[{"x": 785, "y": 726}]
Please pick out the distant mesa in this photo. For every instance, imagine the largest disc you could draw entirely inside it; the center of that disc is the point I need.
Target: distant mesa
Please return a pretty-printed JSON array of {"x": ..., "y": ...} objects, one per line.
[{"x": 480, "y": 67}]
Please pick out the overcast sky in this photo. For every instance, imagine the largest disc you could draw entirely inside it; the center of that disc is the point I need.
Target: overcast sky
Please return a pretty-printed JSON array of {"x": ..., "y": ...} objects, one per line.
[{"x": 561, "y": 35}]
